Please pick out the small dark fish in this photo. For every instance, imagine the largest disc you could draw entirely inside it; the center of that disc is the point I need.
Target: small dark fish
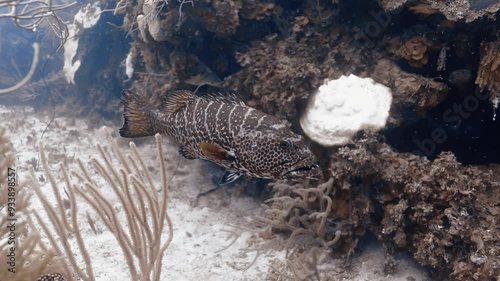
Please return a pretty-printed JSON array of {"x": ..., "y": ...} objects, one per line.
[
  {"x": 460, "y": 77},
  {"x": 222, "y": 129}
]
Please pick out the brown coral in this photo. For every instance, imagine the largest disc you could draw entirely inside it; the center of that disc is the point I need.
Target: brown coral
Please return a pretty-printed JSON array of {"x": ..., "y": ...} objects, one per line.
[
  {"x": 220, "y": 17},
  {"x": 488, "y": 76},
  {"x": 408, "y": 89},
  {"x": 280, "y": 83},
  {"x": 414, "y": 50},
  {"x": 444, "y": 213},
  {"x": 454, "y": 10},
  {"x": 441, "y": 211},
  {"x": 256, "y": 10}
]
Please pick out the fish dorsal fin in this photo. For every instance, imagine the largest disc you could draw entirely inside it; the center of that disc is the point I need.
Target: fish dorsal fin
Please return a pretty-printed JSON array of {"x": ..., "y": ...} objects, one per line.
[
  {"x": 226, "y": 97},
  {"x": 176, "y": 100},
  {"x": 216, "y": 153},
  {"x": 229, "y": 177},
  {"x": 186, "y": 153}
]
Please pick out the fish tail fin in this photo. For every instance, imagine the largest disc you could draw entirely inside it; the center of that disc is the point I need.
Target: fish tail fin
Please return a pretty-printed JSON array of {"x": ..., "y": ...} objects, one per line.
[{"x": 137, "y": 116}]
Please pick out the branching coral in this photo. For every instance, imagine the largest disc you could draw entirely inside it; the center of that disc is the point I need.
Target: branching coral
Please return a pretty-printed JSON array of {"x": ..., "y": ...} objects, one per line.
[
  {"x": 303, "y": 213},
  {"x": 6, "y": 161},
  {"x": 24, "y": 256},
  {"x": 315, "y": 219},
  {"x": 409, "y": 202},
  {"x": 145, "y": 209},
  {"x": 31, "y": 13}
]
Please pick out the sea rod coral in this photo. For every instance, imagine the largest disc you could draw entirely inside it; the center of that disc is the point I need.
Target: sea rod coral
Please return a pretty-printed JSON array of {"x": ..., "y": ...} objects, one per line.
[
  {"x": 141, "y": 238},
  {"x": 24, "y": 255}
]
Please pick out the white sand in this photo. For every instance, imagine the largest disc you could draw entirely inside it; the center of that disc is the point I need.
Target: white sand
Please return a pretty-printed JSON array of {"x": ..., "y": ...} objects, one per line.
[{"x": 200, "y": 233}]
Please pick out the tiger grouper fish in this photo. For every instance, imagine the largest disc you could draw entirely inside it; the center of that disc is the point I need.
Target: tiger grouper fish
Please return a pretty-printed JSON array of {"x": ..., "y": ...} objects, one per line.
[{"x": 222, "y": 129}]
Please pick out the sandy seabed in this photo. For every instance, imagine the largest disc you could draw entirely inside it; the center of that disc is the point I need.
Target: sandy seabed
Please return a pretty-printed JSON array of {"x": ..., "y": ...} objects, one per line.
[{"x": 202, "y": 247}]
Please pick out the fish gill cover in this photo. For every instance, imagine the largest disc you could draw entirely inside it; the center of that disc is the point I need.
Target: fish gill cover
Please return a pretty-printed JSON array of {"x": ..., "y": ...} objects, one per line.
[{"x": 427, "y": 183}]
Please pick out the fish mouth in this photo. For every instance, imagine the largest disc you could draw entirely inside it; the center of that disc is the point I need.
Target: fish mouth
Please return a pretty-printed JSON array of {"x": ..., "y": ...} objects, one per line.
[
  {"x": 304, "y": 169},
  {"x": 300, "y": 171}
]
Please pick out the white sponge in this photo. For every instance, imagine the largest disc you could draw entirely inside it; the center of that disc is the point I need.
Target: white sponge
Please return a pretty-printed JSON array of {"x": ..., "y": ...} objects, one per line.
[{"x": 344, "y": 106}]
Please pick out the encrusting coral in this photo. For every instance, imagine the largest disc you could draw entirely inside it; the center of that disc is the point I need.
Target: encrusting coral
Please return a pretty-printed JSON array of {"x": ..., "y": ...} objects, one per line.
[
  {"x": 220, "y": 17},
  {"x": 442, "y": 211}
]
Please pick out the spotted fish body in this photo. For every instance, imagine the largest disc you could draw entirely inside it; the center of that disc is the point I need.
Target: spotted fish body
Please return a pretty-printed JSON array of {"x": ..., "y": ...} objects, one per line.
[{"x": 222, "y": 129}]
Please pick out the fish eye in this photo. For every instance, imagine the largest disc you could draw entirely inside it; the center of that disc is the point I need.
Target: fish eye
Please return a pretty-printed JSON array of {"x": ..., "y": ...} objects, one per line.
[{"x": 285, "y": 144}]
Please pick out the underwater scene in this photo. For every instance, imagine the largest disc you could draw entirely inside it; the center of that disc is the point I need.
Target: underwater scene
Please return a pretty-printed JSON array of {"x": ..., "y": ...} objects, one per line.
[{"x": 250, "y": 140}]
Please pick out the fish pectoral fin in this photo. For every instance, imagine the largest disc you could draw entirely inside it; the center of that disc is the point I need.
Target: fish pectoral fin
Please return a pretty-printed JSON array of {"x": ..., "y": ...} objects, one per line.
[
  {"x": 216, "y": 153},
  {"x": 186, "y": 153},
  {"x": 229, "y": 177}
]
